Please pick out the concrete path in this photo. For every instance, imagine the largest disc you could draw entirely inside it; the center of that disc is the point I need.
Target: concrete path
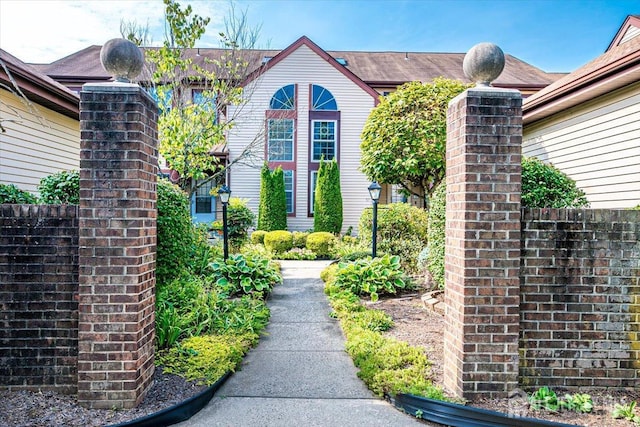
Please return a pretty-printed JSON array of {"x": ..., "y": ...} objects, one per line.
[{"x": 299, "y": 374}]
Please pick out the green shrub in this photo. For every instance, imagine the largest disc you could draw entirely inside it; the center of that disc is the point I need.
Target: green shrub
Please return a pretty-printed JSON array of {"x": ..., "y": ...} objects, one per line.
[
  {"x": 184, "y": 308},
  {"x": 178, "y": 240},
  {"x": 60, "y": 188},
  {"x": 300, "y": 239},
  {"x": 327, "y": 207},
  {"x": 402, "y": 231},
  {"x": 244, "y": 274},
  {"x": 436, "y": 245},
  {"x": 278, "y": 241},
  {"x": 9, "y": 193},
  {"x": 272, "y": 211},
  {"x": 257, "y": 237},
  {"x": 206, "y": 359},
  {"x": 239, "y": 219},
  {"x": 321, "y": 243},
  {"x": 545, "y": 186},
  {"x": 371, "y": 277}
]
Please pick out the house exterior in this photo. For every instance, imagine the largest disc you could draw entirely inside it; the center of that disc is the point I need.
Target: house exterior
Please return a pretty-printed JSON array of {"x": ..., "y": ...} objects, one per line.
[
  {"x": 588, "y": 123},
  {"x": 40, "y": 132},
  {"x": 305, "y": 103}
]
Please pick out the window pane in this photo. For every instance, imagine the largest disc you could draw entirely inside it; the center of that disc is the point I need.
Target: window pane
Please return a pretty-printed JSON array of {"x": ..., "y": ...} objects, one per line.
[
  {"x": 324, "y": 140},
  {"x": 322, "y": 99},
  {"x": 312, "y": 190},
  {"x": 280, "y": 140},
  {"x": 203, "y": 198},
  {"x": 284, "y": 98},
  {"x": 288, "y": 189}
]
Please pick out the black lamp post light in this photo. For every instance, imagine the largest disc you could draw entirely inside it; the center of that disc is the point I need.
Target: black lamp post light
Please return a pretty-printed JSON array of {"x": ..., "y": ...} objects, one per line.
[
  {"x": 224, "y": 193},
  {"x": 374, "y": 192}
]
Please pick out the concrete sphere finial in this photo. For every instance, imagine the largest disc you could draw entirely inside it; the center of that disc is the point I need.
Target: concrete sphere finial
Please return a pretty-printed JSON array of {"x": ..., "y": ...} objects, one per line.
[
  {"x": 122, "y": 59},
  {"x": 483, "y": 63}
]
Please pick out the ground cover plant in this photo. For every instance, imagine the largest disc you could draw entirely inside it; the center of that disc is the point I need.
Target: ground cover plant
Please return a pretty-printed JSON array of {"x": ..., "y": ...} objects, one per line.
[{"x": 388, "y": 366}]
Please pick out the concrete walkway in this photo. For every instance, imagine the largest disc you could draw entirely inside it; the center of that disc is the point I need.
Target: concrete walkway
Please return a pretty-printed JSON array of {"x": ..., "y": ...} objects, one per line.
[{"x": 299, "y": 374}]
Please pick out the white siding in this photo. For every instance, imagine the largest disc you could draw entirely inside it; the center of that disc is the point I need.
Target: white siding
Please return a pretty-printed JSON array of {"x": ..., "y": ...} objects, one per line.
[
  {"x": 36, "y": 143},
  {"x": 304, "y": 67},
  {"x": 597, "y": 144}
]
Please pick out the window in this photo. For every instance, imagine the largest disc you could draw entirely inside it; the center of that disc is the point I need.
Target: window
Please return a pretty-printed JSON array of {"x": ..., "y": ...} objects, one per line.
[
  {"x": 162, "y": 95},
  {"x": 288, "y": 190},
  {"x": 284, "y": 98},
  {"x": 204, "y": 198},
  {"x": 322, "y": 99},
  {"x": 205, "y": 98},
  {"x": 312, "y": 190},
  {"x": 323, "y": 140},
  {"x": 280, "y": 140}
]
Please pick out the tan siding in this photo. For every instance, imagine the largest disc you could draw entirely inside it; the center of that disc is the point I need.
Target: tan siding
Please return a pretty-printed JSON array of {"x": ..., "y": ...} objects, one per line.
[
  {"x": 303, "y": 67},
  {"x": 36, "y": 143},
  {"x": 597, "y": 144}
]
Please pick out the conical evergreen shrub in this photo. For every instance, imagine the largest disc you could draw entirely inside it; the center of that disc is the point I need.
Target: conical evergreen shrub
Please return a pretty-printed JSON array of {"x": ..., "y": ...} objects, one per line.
[{"x": 327, "y": 208}]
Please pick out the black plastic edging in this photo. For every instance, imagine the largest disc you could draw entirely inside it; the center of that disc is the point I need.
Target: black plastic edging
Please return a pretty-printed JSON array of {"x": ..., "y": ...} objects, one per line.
[
  {"x": 454, "y": 415},
  {"x": 179, "y": 412}
]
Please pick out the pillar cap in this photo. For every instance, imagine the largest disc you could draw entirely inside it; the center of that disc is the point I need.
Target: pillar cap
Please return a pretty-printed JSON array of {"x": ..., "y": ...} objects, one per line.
[
  {"x": 483, "y": 63},
  {"x": 122, "y": 59}
]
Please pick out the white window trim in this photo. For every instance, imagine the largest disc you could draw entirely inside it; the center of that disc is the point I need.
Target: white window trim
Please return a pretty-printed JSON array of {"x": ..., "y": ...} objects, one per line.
[
  {"x": 312, "y": 190},
  {"x": 293, "y": 192}
]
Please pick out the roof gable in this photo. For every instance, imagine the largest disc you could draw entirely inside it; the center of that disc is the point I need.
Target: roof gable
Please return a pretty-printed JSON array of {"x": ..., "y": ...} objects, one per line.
[
  {"x": 305, "y": 41},
  {"x": 629, "y": 30}
]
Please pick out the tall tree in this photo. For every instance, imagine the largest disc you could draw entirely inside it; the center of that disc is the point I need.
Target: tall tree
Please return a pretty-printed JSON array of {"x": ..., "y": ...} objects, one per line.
[
  {"x": 189, "y": 130},
  {"x": 404, "y": 138},
  {"x": 327, "y": 206},
  {"x": 272, "y": 210}
]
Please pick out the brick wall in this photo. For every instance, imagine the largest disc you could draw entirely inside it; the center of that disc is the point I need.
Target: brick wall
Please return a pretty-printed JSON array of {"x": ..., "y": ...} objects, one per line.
[
  {"x": 38, "y": 297},
  {"x": 484, "y": 135},
  {"x": 580, "y": 298},
  {"x": 117, "y": 239}
]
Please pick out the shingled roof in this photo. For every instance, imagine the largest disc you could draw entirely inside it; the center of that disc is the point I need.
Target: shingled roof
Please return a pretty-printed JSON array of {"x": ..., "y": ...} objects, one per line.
[
  {"x": 38, "y": 87},
  {"x": 377, "y": 69},
  {"x": 617, "y": 67}
]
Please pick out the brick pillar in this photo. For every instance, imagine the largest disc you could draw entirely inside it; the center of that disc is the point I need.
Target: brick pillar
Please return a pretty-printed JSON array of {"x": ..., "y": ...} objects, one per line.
[
  {"x": 117, "y": 244},
  {"x": 482, "y": 256}
]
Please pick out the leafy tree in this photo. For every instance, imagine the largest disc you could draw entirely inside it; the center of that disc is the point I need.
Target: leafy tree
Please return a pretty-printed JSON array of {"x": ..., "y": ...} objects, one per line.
[
  {"x": 189, "y": 131},
  {"x": 272, "y": 211},
  {"x": 404, "y": 138},
  {"x": 9, "y": 193},
  {"x": 327, "y": 207}
]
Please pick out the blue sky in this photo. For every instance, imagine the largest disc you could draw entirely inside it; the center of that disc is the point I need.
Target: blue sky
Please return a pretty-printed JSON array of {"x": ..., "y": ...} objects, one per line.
[{"x": 554, "y": 35}]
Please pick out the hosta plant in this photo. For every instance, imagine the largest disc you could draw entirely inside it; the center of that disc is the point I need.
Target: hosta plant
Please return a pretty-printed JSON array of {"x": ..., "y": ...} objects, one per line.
[
  {"x": 244, "y": 274},
  {"x": 371, "y": 277}
]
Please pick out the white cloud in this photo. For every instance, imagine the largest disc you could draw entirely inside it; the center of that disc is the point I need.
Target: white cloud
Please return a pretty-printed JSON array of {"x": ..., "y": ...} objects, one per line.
[{"x": 44, "y": 31}]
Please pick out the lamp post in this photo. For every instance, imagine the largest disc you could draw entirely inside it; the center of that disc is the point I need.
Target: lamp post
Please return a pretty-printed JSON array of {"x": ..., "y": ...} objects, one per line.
[
  {"x": 224, "y": 194},
  {"x": 374, "y": 192}
]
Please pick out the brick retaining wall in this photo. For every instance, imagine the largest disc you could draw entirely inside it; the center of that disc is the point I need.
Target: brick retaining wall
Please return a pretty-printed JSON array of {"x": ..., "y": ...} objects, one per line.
[
  {"x": 580, "y": 298},
  {"x": 38, "y": 297}
]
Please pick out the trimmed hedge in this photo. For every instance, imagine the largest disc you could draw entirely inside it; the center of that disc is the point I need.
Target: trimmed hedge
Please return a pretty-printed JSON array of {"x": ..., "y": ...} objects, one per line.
[
  {"x": 321, "y": 243},
  {"x": 278, "y": 241},
  {"x": 257, "y": 237}
]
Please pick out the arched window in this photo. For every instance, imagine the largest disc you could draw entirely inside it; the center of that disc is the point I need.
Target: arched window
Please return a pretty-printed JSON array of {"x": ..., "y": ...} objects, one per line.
[
  {"x": 322, "y": 99},
  {"x": 284, "y": 98}
]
